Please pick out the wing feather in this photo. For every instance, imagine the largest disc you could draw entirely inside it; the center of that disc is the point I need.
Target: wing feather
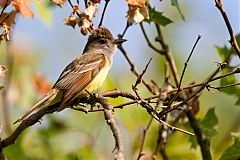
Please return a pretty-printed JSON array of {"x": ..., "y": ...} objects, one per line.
[{"x": 78, "y": 74}]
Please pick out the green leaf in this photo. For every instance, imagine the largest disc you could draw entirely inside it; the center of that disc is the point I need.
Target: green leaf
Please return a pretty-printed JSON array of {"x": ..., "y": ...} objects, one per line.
[
  {"x": 1, "y": 87},
  {"x": 176, "y": 4},
  {"x": 223, "y": 52},
  {"x": 232, "y": 152},
  {"x": 157, "y": 17},
  {"x": 208, "y": 123},
  {"x": 227, "y": 81}
]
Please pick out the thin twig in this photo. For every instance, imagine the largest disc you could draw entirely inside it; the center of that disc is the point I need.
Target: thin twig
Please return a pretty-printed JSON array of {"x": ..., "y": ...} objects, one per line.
[
  {"x": 202, "y": 140},
  {"x": 85, "y": 2},
  {"x": 222, "y": 87},
  {"x": 119, "y": 155},
  {"x": 232, "y": 40},
  {"x": 149, "y": 86},
  {"x": 104, "y": 10},
  {"x": 148, "y": 41},
  {"x": 70, "y": 3},
  {"x": 168, "y": 54},
  {"x": 172, "y": 127},
  {"x": 4, "y": 7},
  {"x": 125, "y": 30},
  {"x": 198, "y": 91},
  {"x": 145, "y": 131},
  {"x": 186, "y": 63},
  {"x": 183, "y": 72},
  {"x": 1, "y": 23},
  {"x": 138, "y": 81}
]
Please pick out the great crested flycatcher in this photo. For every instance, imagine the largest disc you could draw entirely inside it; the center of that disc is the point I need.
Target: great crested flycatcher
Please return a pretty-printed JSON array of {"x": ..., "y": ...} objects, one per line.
[{"x": 84, "y": 74}]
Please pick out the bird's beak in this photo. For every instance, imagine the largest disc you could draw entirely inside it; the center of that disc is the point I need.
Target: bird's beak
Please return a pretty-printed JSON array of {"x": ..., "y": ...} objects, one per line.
[{"x": 118, "y": 41}]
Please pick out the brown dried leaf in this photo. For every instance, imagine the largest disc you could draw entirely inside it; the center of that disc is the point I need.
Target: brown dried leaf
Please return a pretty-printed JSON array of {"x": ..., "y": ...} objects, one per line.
[
  {"x": 60, "y": 3},
  {"x": 90, "y": 11},
  {"x": 85, "y": 22},
  {"x": 8, "y": 18},
  {"x": 137, "y": 14},
  {"x": 84, "y": 25},
  {"x": 136, "y": 2},
  {"x": 95, "y": 1},
  {"x": 71, "y": 21},
  {"x": 22, "y": 6}
]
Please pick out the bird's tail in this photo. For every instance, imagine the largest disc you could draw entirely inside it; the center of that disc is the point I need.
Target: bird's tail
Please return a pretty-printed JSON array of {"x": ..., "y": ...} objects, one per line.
[{"x": 46, "y": 99}]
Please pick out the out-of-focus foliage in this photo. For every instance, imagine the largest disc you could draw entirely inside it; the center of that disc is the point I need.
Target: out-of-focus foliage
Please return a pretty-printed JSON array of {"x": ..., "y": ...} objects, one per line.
[
  {"x": 233, "y": 151},
  {"x": 157, "y": 17},
  {"x": 226, "y": 55},
  {"x": 73, "y": 135}
]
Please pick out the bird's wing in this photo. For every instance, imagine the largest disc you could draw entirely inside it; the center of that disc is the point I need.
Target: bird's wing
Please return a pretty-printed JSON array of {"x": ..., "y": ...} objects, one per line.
[{"x": 78, "y": 74}]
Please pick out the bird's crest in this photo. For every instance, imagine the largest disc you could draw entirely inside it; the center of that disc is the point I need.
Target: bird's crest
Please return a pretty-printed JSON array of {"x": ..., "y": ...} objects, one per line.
[{"x": 102, "y": 32}]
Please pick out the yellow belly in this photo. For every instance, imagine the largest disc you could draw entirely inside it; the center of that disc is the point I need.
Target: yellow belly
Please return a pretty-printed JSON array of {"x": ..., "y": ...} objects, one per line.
[{"x": 97, "y": 81}]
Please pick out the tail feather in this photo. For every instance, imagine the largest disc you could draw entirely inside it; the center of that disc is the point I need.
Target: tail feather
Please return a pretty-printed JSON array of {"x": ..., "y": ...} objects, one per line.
[{"x": 41, "y": 102}]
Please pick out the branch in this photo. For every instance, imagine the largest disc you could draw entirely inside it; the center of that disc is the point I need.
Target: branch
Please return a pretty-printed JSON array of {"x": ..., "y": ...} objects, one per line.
[
  {"x": 160, "y": 142},
  {"x": 34, "y": 118},
  {"x": 232, "y": 40},
  {"x": 104, "y": 10},
  {"x": 112, "y": 123},
  {"x": 222, "y": 87},
  {"x": 183, "y": 72},
  {"x": 168, "y": 54},
  {"x": 148, "y": 41},
  {"x": 199, "y": 90},
  {"x": 149, "y": 86},
  {"x": 138, "y": 81},
  {"x": 4, "y": 7},
  {"x": 202, "y": 141},
  {"x": 125, "y": 30},
  {"x": 145, "y": 131},
  {"x": 74, "y": 8}
]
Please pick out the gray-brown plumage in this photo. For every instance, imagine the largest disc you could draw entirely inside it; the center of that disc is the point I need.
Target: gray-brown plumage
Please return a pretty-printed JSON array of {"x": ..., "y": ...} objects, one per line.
[{"x": 84, "y": 73}]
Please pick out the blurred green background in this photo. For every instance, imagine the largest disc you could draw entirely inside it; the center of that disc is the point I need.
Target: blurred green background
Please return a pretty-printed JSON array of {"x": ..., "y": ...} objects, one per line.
[{"x": 44, "y": 46}]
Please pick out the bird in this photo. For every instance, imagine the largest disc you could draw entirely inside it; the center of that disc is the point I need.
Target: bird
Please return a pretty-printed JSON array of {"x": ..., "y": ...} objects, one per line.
[{"x": 83, "y": 75}]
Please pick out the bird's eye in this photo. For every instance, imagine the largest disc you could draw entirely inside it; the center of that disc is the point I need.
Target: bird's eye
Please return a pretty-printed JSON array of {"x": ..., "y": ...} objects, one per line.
[{"x": 102, "y": 41}]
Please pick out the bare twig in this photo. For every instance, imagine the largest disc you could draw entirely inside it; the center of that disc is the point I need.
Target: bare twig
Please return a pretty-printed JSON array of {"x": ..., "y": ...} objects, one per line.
[
  {"x": 186, "y": 63},
  {"x": 31, "y": 120},
  {"x": 183, "y": 72},
  {"x": 74, "y": 10},
  {"x": 232, "y": 40},
  {"x": 222, "y": 87},
  {"x": 148, "y": 41},
  {"x": 168, "y": 54},
  {"x": 198, "y": 91},
  {"x": 4, "y": 7},
  {"x": 1, "y": 23},
  {"x": 125, "y": 30},
  {"x": 149, "y": 86},
  {"x": 85, "y": 2},
  {"x": 104, "y": 10},
  {"x": 119, "y": 155},
  {"x": 202, "y": 141},
  {"x": 145, "y": 131},
  {"x": 138, "y": 81},
  {"x": 162, "y": 135}
]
